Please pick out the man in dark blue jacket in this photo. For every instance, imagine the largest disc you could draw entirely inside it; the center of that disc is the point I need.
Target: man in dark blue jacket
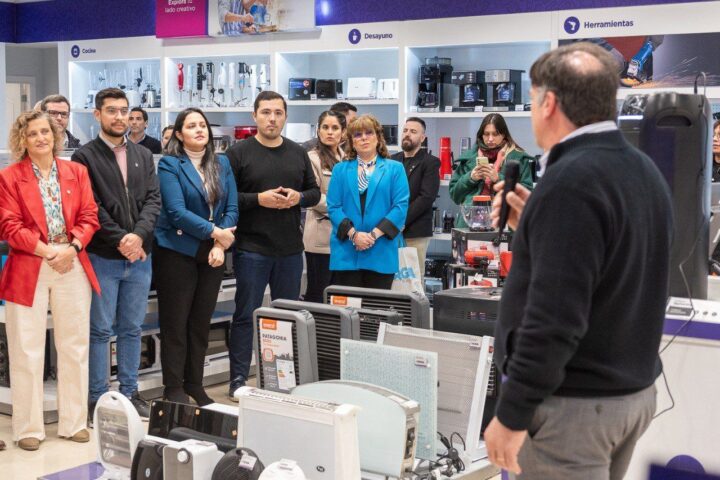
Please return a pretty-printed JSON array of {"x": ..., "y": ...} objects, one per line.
[{"x": 582, "y": 310}]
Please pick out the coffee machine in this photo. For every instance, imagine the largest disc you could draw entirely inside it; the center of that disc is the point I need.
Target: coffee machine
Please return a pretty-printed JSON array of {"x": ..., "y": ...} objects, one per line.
[
  {"x": 503, "y": 90},
  {"x": 471, "y": 85},
  {"x": 432, "y": 75}
]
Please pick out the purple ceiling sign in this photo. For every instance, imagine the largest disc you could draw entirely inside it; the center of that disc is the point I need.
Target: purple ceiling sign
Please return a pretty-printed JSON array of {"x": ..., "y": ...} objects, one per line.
[{"x": 339, "y": 12}]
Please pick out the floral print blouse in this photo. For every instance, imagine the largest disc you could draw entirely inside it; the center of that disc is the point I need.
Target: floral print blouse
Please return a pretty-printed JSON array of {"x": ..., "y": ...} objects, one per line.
[{"x": 50, "y": 193}]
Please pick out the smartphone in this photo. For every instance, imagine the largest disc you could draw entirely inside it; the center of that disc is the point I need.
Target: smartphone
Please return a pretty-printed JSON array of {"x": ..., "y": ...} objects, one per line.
[{"x": 482, "y": 161}]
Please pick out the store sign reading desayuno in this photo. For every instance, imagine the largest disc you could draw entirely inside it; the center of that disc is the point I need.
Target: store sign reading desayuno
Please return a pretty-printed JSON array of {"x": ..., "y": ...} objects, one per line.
[
  {"x": 573, "y": 24},
  {"x": 355, "y": 36},
  {"x": 75, "y": 51}
]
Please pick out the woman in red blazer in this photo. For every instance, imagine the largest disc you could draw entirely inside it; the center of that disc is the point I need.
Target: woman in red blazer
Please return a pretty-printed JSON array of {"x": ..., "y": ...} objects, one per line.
[{"x": 47, "y": 215}]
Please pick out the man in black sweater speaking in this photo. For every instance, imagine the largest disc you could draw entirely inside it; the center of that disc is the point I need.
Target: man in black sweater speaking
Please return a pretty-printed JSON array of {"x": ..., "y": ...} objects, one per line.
[
  {"x": 583, "y": 307},
  {"x": 274, "y": 179}
]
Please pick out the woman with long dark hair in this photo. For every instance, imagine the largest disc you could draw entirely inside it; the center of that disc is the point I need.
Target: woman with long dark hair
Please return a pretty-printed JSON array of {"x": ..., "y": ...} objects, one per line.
[
  {"x": 477, "y": 177},
  {"x": 316, "y": 236},
  {"x": 195, "y": 227}
]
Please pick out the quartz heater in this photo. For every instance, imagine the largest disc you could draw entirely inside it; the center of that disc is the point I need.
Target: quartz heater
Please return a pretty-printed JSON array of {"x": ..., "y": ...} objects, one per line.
[
  {"x": 331, "y": 324},
  {"x": 285, "y": 348},
  {"x": 463, "y": 372},
  {"x": 414, "y": 307},
  {"x": 322, "y": 437},
  {"x": 412, "y": 373}
]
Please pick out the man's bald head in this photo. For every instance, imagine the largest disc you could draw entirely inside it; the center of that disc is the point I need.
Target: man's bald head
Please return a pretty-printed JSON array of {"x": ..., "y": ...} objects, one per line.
[{"x": 583, "y": 77}]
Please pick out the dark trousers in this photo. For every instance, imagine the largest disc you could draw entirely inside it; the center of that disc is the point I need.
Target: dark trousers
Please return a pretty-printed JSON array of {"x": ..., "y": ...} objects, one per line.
[
  {"x": 187, "y": 291},
  {"x": 318, "y": 276},
  {"x": 362, "y": 278},
  {"x": 253, "y": 272}
]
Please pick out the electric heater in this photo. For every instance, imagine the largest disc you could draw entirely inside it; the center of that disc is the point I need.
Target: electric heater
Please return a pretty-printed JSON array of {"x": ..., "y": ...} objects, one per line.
[
  {"x": 463, "y": 372},
  {"x": 414, "y": 308},
  {"x": 285, "y": 348},
  {"x": 331, "y": 324},
  {"x": 387, "y": 423},
  {"x": 412, "y": 373},
  {"x": 321, "y": 436}
]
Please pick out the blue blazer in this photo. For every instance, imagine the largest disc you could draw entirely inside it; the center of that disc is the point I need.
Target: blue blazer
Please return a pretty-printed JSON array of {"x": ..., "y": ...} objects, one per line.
[
  {"x": 183, "y": 222},
  {"x": 387, "y": 197}
]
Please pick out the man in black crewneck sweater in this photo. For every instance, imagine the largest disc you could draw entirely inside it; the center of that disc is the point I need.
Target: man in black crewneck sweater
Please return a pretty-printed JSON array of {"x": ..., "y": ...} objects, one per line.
[
  {"x": 274, "y": 179},
  {"x": 582, "y": 310}
]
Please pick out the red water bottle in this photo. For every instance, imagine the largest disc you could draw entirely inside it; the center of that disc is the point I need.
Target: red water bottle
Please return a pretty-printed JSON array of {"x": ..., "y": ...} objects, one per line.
[{"x": 445, "y": 158}]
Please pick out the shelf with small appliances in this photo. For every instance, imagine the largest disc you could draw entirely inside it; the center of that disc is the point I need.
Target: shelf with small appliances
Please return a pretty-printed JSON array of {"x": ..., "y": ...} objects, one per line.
[
  {"x": 139, "y": 78},
  {"x": 313, "y": 81},
  {"x": 453, "y": 87}
]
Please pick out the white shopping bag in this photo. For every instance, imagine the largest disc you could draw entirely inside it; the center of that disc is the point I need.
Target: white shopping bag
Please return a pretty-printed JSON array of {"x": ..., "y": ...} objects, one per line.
[{"x": 408, "y": 278}]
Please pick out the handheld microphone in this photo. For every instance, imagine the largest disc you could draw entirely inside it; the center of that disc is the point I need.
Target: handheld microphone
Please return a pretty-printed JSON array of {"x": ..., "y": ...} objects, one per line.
[{"x": 512, "y": 173}]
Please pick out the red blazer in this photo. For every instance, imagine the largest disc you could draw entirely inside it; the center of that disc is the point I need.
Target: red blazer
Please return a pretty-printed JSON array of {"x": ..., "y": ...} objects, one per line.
[{"x": 22, "y": 224}]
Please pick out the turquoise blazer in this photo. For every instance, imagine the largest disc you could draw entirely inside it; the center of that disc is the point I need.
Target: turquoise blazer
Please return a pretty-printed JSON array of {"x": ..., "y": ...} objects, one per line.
[{"x": 387, "y": 198}]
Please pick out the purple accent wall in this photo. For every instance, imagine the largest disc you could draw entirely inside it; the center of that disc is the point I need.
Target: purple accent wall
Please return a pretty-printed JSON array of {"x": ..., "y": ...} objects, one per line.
[
  {"x": 338, "y": 12},
  {"x": 7, "y": 22}
]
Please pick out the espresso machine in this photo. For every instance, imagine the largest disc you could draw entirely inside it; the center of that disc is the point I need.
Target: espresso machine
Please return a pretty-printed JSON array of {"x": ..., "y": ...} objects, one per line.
[
  {"x": 503, "y": 90},
  {"x": 432, "y": 75},
  {"x": 471, "y": 86}
]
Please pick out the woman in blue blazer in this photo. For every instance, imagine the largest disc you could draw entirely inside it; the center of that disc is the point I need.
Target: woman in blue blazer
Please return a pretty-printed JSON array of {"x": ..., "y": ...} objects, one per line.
[
  {"x": 195, "y": 227},
  {"x": 367, "y": 203}
]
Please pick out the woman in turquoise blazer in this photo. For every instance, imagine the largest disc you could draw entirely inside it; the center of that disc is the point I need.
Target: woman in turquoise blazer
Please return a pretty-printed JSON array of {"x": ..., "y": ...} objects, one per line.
[{"x": 367, "y": 203}]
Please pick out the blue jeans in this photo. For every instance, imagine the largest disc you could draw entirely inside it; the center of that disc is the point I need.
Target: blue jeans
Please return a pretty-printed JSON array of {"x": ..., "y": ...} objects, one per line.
[
  {"x": 119, "y": 310},
  {"x": 254, "y": 272}
]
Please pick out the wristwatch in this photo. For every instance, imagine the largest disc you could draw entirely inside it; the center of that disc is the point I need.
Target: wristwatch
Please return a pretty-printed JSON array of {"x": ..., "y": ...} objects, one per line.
[
  {"x": 77, "y": 248},
  {"x": 372, "y": 234}
]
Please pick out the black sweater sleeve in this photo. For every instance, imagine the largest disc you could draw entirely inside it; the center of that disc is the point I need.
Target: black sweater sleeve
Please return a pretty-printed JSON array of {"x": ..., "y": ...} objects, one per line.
[
  {"x": 565, "y": 231},
  {"x": 246, "y": 200}
]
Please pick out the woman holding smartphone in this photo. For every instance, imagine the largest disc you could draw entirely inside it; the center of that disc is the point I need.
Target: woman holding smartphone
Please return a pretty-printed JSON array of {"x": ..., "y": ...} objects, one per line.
[{"x": 484, "y": 165}]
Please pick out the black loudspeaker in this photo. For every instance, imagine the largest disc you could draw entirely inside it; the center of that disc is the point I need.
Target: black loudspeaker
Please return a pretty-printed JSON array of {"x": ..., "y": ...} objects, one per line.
[
  {"x": 148, "y": 461},
  {"x": 676, "y": 132},
  {"x": 238, "y": 464}
]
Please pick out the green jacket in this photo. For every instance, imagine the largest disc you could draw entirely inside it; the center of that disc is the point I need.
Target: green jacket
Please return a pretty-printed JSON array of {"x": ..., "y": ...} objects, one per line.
[{"x": 463, "y": 188}]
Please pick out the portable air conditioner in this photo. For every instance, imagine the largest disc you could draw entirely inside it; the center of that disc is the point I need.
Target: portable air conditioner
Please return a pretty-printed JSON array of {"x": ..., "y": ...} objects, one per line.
[
  {"x": 283, "y": 470},
  {"x": 321, "y": 436},
  {"x": 463, "y": 374},
  {"x": 414, "y": 308},
  {"x": 238, "y": 464},
  {"x": 331, "y": 324},
  {"x": 387, "y": 423},
  {"x": 118, "y": 430},
  {"x": 362, "y": 87},
  {"x": 285, "y": 349},
  {"x": 370, "y": 321},
  {"x": 411, "y": 373},
  {"x": 147, "y": 462},
  {"x": 190, "y": 460}
]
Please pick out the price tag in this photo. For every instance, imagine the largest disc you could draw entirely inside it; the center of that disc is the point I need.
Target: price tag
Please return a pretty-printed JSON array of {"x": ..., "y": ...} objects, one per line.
[
  {"x": 313, "y": 96},
  {"x": 448, "y": 109},
  {"x": 340, "y": 96},
  {"x": 478, "y": 108},
  {"x": 413, "y": 108},
  {"x": 519, "y": 108}
]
